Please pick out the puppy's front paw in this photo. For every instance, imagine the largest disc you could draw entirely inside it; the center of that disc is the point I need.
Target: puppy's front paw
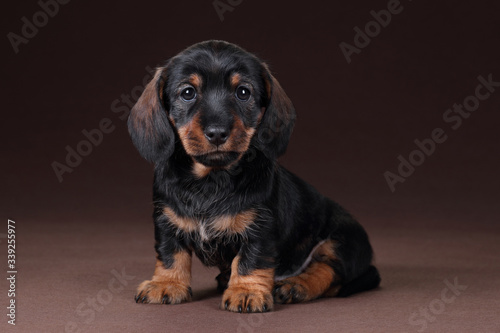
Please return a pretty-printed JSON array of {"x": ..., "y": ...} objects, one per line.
[
  {"x": 240, "y": 298},
  {"x": 163, "y": 292}
]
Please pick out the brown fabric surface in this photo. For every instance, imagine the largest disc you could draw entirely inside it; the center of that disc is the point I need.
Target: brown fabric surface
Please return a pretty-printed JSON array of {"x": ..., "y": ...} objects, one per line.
[
  {"x": 62, "y": 267},
  {"x": 354, "y": 120}
]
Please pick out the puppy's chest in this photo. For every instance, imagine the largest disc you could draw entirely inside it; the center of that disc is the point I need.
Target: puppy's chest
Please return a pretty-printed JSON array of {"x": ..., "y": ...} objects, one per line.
[
  {"x": 216, "y": 252},
  {"x": 210, "y": 228}
]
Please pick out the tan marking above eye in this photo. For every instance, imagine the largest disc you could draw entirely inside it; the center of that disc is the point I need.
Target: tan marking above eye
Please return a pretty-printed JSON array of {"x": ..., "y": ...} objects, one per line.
[
  {"x": 195, "y": 80},
  {"x": 235, "y": 80}
]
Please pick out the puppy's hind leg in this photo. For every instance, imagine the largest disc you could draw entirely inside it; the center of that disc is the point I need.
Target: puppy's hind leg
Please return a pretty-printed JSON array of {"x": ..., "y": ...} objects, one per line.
[
  {"x": 317, "y": 279},
  {"x": 223, "y": 278}
]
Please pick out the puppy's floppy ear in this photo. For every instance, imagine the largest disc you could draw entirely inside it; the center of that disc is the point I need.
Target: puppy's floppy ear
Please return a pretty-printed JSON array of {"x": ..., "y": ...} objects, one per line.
[
  {"x": 148, "y": 123},
  {"x": 276, "y": 125}
]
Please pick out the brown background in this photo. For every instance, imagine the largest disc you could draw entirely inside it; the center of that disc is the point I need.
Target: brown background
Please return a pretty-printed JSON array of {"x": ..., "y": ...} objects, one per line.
[{"x": 353, "y": 122}]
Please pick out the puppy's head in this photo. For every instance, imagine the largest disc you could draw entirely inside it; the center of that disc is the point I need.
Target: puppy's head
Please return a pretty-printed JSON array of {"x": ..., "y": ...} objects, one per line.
[{"x": 219, "y": 101}]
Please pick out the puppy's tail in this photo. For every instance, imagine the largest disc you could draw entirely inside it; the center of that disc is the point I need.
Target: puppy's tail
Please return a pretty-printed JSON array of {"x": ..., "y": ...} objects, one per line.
[{"x": 368, "y": 280}]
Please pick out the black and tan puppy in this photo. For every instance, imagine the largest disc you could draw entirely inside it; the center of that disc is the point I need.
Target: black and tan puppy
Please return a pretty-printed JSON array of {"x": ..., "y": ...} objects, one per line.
[{"x": 213, "y": 121}]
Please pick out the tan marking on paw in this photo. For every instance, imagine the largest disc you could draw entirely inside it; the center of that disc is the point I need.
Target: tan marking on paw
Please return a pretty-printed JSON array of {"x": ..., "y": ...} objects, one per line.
[
  {"x": 249, "y": 293},
  {"x": 168, "y": 285},
  {"x": 315, "y": 281}
]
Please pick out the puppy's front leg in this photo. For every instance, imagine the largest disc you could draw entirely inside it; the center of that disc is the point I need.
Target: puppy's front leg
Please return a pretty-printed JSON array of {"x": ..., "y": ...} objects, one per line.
[
  {"x": 170, "y": 282},
  {"x": 249, "y": 288}
]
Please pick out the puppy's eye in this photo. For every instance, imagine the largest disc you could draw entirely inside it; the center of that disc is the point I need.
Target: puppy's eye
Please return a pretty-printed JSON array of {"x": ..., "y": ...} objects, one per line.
[
  {"x": 243, "y": 93},
  {"x": 188, "y": 94}
]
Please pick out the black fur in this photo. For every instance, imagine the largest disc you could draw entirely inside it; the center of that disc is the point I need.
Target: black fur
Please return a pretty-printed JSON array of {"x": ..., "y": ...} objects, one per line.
[{"x": 292, "y": 217}]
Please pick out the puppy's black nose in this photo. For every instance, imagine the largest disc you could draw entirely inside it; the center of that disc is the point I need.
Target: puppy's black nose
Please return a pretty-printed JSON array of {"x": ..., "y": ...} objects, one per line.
[{"x": 216, "y": 135}]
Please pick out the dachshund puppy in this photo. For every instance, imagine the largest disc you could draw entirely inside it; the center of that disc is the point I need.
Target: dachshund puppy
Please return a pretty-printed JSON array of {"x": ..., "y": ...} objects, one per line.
[{"x": 213, "y": 120}]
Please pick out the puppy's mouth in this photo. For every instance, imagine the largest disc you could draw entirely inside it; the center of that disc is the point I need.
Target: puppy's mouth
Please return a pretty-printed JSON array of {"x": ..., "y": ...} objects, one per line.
[{"x": 217, "y": 158}]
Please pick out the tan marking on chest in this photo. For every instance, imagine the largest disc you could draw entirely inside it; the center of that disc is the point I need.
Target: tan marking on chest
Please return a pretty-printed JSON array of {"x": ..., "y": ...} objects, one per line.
[
  {"x": 235, "y": 224},
  {"x": 216, "y": 227},
  {"x": 186, "y": 224}
]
